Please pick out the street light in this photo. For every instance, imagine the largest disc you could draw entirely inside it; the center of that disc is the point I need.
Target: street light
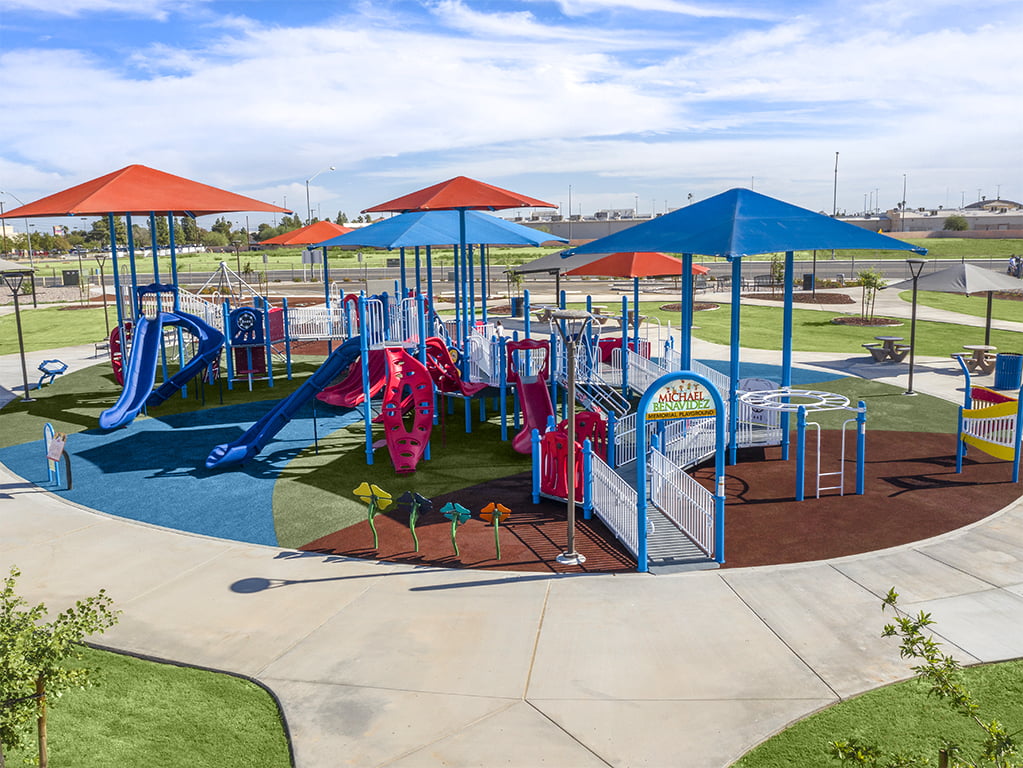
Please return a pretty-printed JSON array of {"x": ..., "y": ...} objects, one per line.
[
  {"x": 571, "y": 324},
  {"x": 28, "y": 234},
  {"x": 14, "y": 281},
  {"x": 915, "y": 268},
  {"x": 308, "y": 205}
]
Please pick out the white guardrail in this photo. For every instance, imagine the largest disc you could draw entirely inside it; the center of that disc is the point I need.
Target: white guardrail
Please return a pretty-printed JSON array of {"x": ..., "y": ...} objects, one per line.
[
  {"x": 614, "y": 502},
  {"x": 684, "y": 501}
]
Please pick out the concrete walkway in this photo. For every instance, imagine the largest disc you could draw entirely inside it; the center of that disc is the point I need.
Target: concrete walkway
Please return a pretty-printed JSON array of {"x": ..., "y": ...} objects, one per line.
[{"x": 387, "y": 665}]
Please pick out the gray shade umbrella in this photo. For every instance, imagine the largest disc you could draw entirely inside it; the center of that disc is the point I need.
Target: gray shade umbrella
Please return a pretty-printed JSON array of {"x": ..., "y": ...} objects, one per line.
[{"x": 966, "y": 279}]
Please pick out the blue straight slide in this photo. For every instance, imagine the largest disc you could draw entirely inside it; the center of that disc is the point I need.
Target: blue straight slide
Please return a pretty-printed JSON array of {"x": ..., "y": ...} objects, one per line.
[
  {"x": 263, "y": 431},
  {"x": 140, "y": 373}
]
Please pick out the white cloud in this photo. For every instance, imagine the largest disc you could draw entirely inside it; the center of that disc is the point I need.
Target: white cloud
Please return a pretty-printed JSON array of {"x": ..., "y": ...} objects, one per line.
[
  {"x": 398, "y": 105},
  {"x": 695, "y": 10},
  {"x": 150, "y": 9}
]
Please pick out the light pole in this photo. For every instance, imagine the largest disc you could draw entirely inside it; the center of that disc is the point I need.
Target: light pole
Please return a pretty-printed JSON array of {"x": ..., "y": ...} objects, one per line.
[
  {"x": 14, "y": 281},
  {"x": 570, "y": 324},
  {"x": 834, "y": 194},
  {"x": 915, "y": 268},
  {"x": 903, "y": 202},
  {"x": 28, "y": 234},
  {"x": 308, "y": 205}
]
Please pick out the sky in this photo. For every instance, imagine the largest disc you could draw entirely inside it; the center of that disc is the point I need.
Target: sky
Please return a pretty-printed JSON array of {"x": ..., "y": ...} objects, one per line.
[{"x": 587, "y": 104}]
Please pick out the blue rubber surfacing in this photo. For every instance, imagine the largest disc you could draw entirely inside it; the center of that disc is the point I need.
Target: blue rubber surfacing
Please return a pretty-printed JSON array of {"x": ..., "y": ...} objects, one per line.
[{"x": 153, "y": 469}]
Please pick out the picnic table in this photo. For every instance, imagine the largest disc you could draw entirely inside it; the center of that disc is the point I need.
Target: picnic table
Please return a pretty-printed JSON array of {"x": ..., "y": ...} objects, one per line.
[
  {"x": 888, "y": 349},
  {"x": 982, "y": 359}
]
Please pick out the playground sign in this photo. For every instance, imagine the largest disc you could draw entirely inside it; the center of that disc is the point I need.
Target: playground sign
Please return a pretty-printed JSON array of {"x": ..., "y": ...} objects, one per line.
[{"x": 685, "y": 399}]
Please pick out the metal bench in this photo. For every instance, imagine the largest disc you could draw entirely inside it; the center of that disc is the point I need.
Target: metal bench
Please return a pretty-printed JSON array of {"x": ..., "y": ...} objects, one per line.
[{"x": 764, "y": 281}]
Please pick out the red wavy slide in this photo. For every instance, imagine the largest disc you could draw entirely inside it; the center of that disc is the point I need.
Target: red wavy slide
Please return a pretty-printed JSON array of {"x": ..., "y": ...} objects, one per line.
[{"x": 348, "y": 392}]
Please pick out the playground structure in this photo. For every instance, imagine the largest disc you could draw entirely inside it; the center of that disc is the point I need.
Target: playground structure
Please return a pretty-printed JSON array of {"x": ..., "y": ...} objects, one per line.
[
  {"x": 379, "y": 336},
  {"x": 989, "y": 421},
  {"x": 479, "y": 350}
]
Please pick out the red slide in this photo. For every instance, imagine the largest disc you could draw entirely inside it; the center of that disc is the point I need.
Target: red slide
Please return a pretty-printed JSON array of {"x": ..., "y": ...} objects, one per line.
[
  {"x": 534, "y": 396},
  {"x": 445, "y": 374},
  {"x": 348, "y": 393},
  {"x": 537, "y": 407}
]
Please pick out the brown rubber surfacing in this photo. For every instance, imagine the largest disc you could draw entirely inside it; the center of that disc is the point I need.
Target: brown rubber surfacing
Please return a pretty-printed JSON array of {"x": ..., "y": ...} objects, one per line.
[{"x": 912, "y": 492}]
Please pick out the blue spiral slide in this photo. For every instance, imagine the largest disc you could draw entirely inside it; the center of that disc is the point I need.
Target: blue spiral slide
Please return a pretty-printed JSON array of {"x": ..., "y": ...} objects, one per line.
[
  {"x": 260, "y": 433},
  {"x": 140, "y": 372}
]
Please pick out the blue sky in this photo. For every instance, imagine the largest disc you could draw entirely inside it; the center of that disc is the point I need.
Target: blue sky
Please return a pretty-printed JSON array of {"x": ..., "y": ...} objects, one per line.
[{"x": 626, "y": 102}]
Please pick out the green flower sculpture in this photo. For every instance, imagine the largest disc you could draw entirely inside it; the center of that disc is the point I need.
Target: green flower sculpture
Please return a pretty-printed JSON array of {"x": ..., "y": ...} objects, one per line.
[
  {"x": 457, "y": 514},
  {"x": 495, "y": 514},
  {"x": 416, "y": 505},
  {"x": 378, "y": 500}
]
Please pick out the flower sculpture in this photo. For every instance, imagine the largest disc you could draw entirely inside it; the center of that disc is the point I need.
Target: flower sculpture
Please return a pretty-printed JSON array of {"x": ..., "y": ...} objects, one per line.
[
  {"x": 495, "y": 514},
  {"x": 416, "y": 505},
  {"x": 378, "y": 500},
  {"x": 457, "y": 514}
]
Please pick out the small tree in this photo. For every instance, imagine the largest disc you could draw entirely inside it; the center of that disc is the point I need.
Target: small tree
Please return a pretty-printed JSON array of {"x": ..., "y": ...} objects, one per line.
[
  {"x": 956, "y": 223},
  {"x": 35, "y": 656},
  {"x": 943, "y": 673},
  {"x": 871, "y": 281}
]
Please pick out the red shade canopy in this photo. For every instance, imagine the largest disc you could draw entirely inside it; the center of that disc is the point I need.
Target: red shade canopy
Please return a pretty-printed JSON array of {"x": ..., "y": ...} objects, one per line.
[
  {"x": 314, "y": 233},
  {"x": 459, "y": 192},
  {"x": 137, "y": 189},
  {"x": 636, "y": 264}
]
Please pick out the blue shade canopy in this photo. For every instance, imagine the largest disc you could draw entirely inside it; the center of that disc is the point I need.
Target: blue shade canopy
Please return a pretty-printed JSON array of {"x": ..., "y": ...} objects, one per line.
[
  {"x": 440, "y": 228},
  {"x": 739, "y": 223}
]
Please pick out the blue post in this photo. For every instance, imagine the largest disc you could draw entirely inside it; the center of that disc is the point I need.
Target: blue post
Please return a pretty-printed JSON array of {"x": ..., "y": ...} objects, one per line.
[
  {"x": 525, "y": 312},
  {"x": 287, "y": 336},
  {"x": 117, "y": 283},
  {"x": 502, "y": 387},
  {"x": 470, "y": 320},
  {"x": 1017, "y": 438},
  {"x": 861, "y": 445},
  {"x": 136, "y": 303},
  {"x": 226, "y": 308},
  {"x": 688, "y": 297},
  {"x": 268, "y": 347},
  {"x": 535, "y": 440},
  {"x": 561, "y": 298},
  {"x": 625, "y": 346},
  {"x": 635, "y": 315},
  {"x": 960, "y": 445},
  {"x": 612, "y": 422},
  {"x": 786, "y": 349},
  {"x": 364, "y": 358},
  {"x": 419, "y": 272},
  {"x": 733, "y": 369},
  {"x": 326, "y": 277},
  {"x": 401, "y": 261},
  {"x": 800, "y": 451},
  {"x": 484, "y": 282},
  {"x": 429, "y": 274}
]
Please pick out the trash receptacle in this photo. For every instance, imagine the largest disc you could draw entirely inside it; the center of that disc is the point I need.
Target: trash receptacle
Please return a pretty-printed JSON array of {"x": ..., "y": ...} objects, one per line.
[
  {"x": 807, "y": 282},
  {"x": 516, "y": 306},
  {"x": 70, "y": 277},
  {"x": 1008, "y": 370}
]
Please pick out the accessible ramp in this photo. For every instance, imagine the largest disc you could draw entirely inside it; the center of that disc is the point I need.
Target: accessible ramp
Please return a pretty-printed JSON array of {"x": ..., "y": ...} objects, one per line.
[
  {"x": 259, "y": 434},
  {"x": 140, "y": 373}
]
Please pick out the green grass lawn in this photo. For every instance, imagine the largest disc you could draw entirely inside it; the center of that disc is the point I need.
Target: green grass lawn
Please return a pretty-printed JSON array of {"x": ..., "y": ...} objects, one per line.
[
  {"x": 143, "y": 713},
  {"x": 813, "y": 331},
  {"x": 50, "y": 327},
  {"x": 899, "y": 717},
  {"x": 976, "y": 305}
]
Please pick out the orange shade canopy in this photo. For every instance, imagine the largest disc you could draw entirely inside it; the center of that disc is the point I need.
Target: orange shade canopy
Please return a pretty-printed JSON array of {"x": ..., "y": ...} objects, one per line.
[
  {"x": 137, "y": 189},
  {"x": 314, "y": 233},
  {"x": 459, "y": 192},
  {"x": 636, "y": 264}
]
